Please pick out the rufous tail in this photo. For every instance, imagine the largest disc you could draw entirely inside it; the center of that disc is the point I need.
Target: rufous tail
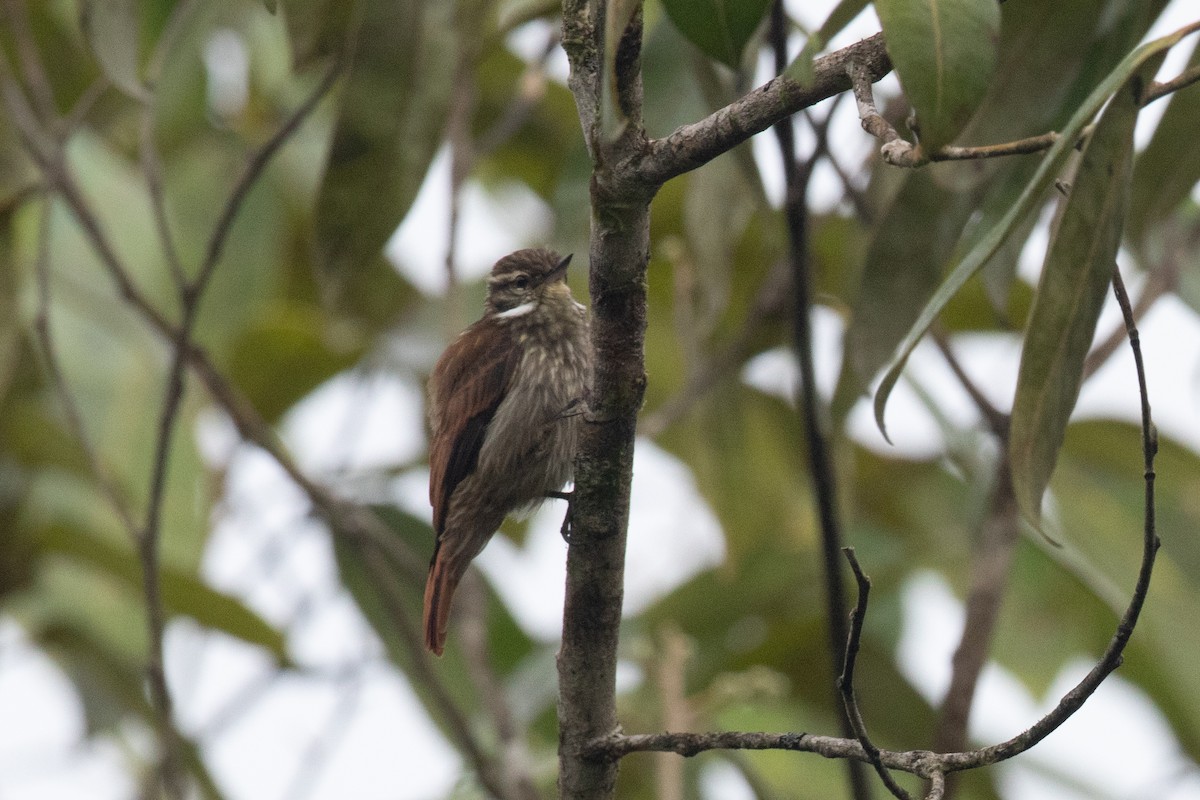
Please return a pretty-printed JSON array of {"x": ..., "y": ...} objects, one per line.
[{"x": 439, "y": 592}]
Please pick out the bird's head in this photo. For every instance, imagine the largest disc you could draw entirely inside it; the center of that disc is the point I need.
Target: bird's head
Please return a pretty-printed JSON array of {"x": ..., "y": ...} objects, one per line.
[{"x": 520, "y": 281}]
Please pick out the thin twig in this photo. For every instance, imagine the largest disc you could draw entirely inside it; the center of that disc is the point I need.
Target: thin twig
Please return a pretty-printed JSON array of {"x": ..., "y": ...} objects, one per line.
[
  {"x": 845, "y": 681},
  {"x": 531, "y": 88},
  {"x": 83, "y": 106},
  {"x": 148, "y": 545},
  {"x": 670, "y": 678},
  {"x": 895, "y": 149},
  {"x": 30, "y": 61},
  {"x": 254, "y": 169},
  {"x": 937, "y": 785},
  {"x": 150, "y": 538},
  {"x": 1159, "y": 283},
  {"x": 693, "y": 145},
  {"x": 1182, "y": 81},
  {"x": 153, "y": 173},
  {"x": 821, "y": 471},
  {"x": 996, "y": 420},
  {"x": 924, "y": 763}
]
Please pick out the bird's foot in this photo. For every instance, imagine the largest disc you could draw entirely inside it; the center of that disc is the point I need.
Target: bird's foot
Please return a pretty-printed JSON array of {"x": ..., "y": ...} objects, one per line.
[{"x": 568, "y": 520}]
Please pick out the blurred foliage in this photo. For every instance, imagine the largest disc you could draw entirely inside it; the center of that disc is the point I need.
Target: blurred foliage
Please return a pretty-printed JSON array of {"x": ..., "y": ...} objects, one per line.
[{"x": 304, "y": 293}]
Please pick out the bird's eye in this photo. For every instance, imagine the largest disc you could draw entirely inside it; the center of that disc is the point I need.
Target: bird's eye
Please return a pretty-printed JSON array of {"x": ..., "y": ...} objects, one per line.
[{"x": 521, "y": 282}]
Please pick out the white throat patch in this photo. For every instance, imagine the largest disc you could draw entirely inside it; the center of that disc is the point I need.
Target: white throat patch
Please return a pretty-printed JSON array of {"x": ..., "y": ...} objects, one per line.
[{"x": 518, "y": 311}]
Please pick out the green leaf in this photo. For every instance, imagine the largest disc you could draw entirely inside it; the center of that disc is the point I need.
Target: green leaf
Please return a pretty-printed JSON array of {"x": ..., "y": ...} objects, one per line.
[
  {"x": 182, "y": 592},
  {"x": 801, "y": 68},
  {"x": 901, "y": 271},
  {"x": 944, "y": 52},
  {"x": 111, "y": 28},
  {"x": 720, "y": 28},
  {"x": 1168, "y": 169},
  {"x": 1074, "y": 283},
  {"x": 966, "y": 266},
  {"x": 389, "y": 125},
  {"x": 286, "y": 353}
]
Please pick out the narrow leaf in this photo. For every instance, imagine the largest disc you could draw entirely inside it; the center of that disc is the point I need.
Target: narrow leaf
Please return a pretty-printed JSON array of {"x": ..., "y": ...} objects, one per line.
[
  {"x": 965, "y": 267},
  {"x": 944, "y": 52},
  {"x": 111, "y": 28},
  {"x": 1071, "y": 292},
  {"x": 720, "y": 28}
]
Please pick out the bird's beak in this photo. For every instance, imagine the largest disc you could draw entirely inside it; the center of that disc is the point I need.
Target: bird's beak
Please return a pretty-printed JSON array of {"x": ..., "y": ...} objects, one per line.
[{"x": 558, "y": 273}]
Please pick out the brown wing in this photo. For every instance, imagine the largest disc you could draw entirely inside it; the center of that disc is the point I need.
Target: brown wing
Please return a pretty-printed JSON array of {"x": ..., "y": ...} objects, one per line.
[{"x": 466, "y": 388}]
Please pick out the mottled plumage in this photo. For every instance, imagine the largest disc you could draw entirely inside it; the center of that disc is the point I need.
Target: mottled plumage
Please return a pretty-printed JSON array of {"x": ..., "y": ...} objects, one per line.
[{"x": 502, "y": 402}]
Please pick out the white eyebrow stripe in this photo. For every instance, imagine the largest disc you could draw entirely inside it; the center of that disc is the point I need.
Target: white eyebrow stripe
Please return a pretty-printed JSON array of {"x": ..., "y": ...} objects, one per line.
[{"x": 519, "y": 311}]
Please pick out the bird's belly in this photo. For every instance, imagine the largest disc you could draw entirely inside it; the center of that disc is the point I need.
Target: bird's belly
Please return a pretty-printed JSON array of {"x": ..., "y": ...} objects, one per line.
[{"x": 529, "y": 448}]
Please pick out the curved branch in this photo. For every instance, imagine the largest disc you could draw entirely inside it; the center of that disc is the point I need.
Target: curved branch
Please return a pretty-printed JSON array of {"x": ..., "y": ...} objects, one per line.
[{"x": 924, "y": 763}]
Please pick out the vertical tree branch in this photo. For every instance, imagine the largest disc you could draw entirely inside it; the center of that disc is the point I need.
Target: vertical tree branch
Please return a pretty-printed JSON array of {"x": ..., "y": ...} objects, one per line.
[
  {"x": 820, "y": 462},
  {"x": 619, "y": 253}
]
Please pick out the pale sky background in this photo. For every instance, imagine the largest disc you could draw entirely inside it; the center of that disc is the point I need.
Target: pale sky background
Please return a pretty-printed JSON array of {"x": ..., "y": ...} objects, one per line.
[{"x": 359, "y": 716}]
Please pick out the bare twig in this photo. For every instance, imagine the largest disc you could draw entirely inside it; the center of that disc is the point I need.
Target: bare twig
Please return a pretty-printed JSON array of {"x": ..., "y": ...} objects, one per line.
[
  {"x": 83, "y": 106},
  {"x": 670, "y": 670},
  {"x": 148, "y": 542},
  {"x": 32, "y": 68},
  {"x": 531, "y": 88},
  {"x": 821, "y": 473},
  {"x": 191, "y": 294},
  {"x": 924, "y": 763},
  {"x": 992, "y": 555},
  {"x": 253, "y": 170},
  {"x": 845, "y": 681},
  {"x": 1159, "y": 283},
  {"x": 895, "y": 149},
  {"x": 996, "y": 420},
  {"x": 901, "y": 153},
  {"x": 1181, "y": 81},
  {"x": 937, "y": 785}
]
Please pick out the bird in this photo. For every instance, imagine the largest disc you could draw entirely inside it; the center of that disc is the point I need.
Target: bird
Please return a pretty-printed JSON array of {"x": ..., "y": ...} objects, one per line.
[{"x": 504, "y": 402}]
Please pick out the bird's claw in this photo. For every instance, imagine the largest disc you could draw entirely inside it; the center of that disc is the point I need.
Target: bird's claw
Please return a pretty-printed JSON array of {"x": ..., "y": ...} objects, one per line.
[{"x": 568, "y": 520}]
